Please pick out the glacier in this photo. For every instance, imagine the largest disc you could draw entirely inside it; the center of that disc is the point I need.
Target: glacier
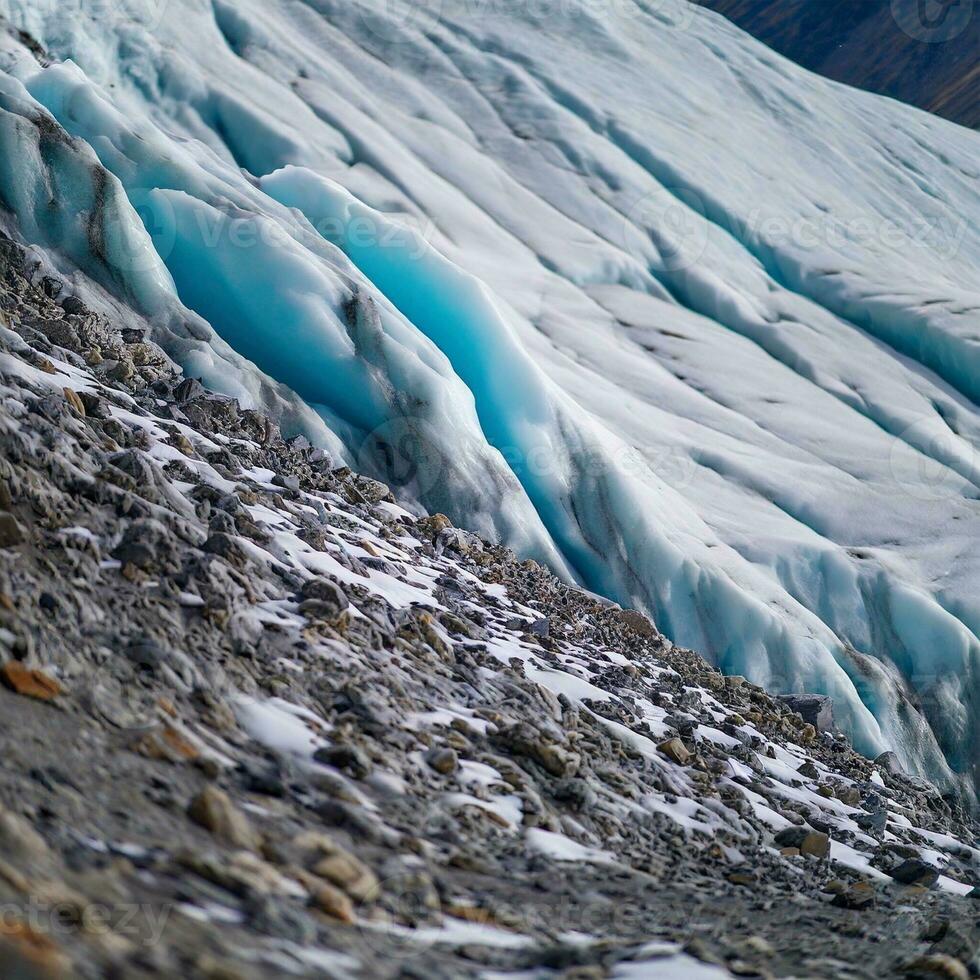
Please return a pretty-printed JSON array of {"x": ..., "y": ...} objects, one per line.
[{"x": 608, "y": 281}]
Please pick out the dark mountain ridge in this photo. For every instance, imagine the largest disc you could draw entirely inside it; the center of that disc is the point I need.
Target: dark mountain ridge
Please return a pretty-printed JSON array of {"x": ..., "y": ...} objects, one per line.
[{"x": 923, "y": 52}]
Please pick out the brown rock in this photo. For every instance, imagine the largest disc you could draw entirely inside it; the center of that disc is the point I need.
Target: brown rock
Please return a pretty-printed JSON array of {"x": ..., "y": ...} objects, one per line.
[
  {"x": 860, "y": 895},
  {"x": 937, "y": 965},
  {"x": 317, "y": 841},
  {"x": 11, "y": 531},
  {"x": 675, "y": 750},
  {"x": 637, "y": 622},
  {"x": 213, "y": 809},
  {"x": 808, "y": 841},
  {"x": 73, "y": 399},
  {"x": 347, "y": 872},
  {"x": 443, "y": 760},
  {"x": 168, "y": 744},
  {"x": 331, "y": 900},
  {"x": 26, "y": 954},
  {"x": 29, "y": 683},
  {"x": 19, "y": 839}
]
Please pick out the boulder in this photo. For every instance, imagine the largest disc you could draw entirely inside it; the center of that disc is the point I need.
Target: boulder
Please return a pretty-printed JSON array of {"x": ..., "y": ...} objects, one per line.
[
  {"x": 11, "y": 531},
  {"x": 815, "y": 709},
  {"x": 916, "y": 872},
  {"x": 889, "y": 762},
  {"x": 675, "y": 750},
  {"x": 807, "y": 841},
  {"x": 213, "y": 809}
]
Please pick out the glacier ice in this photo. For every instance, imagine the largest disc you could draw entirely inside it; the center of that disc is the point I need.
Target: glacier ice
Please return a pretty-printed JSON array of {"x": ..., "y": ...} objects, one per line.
[{"x": 612, "y": 282}]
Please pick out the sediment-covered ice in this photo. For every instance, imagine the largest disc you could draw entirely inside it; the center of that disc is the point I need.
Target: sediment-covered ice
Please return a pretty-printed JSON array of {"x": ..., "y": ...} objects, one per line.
[{"x": 612, "y": 282}]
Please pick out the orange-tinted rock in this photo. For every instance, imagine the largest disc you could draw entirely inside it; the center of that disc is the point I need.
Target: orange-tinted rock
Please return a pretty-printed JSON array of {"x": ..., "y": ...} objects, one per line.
[
  {"x": 29, "y": 683},
  {"x": 25, "y": 952}
]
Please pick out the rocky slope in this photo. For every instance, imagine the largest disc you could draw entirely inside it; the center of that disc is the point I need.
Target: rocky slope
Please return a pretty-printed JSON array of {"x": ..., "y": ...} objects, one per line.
[{"x": 258, "y": 719}]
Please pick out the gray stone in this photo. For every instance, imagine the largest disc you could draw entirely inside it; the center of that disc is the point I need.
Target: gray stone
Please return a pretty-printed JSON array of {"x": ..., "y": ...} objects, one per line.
[
  {"x": 875, "y": 823},
  {"x": 540, "y": 627},
  {"x": 443, "y": 760},
  {"x": 348, "y": 758},
  {"x": 331, "y": 597},
  {"x": 807, "y": 841},
  {"x": 287, "y": 482},
  {"x": 188, "y": 390},
  {"x": 12, "y": 532},
  {"x": 815, "y": 709},
  {"x": 916, "y": 872},
  {"x": 889, "y": 762},
  {"x": 638, "y": 622}
]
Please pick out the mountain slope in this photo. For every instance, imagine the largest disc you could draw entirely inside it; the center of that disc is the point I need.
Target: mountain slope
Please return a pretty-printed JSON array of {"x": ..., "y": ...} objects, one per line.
[
  {"x": 695, "y": 328},
  {"x": 923, "y": 52}
]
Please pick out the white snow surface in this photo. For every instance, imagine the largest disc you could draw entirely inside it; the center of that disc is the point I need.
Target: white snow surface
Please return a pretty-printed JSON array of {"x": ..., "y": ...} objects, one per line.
[{"x": 611, "y": 282}]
